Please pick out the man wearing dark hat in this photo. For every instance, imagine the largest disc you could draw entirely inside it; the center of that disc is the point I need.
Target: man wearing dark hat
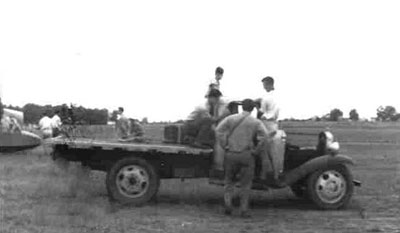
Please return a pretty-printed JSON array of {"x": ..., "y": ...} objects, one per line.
[
  {"x": 236, "y": 135},
  {"x": 268, "y": 113},
  {"x": 199, "y": 125}
]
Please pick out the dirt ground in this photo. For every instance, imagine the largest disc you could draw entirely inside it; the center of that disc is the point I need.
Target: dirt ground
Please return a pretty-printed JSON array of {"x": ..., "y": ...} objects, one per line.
[{"x": 37, "y": 195}]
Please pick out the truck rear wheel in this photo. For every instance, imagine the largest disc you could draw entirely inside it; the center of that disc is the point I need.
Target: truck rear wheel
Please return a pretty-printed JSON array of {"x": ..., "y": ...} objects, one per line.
[
  {"x": 331, "y": 187},
  {"x": 132, "y": 181}
]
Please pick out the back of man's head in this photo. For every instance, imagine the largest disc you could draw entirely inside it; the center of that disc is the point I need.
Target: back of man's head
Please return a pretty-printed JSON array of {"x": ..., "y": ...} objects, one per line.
[
  {"x": 248, "y": 105},
  {"x": 121, "y": 109},
  {"x": 219, "y": 70}
]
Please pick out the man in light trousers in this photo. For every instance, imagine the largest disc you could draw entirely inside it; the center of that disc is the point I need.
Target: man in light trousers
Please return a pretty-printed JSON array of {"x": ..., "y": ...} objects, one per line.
[{"x": 268, "y": 114}]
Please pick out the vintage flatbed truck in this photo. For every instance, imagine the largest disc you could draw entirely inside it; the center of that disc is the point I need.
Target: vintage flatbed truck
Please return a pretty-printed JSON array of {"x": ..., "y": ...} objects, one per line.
[{"x": 134, "y": 170}]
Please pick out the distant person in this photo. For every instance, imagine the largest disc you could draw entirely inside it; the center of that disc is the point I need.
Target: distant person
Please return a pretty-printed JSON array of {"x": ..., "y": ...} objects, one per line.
[
  {"x": 236, "y": 135},
  {"x": 122, "y": 124},
  {"x": 268, "y": 113},
  {"x": 216, "y": 82},
  {"x": 10, "y": 125},
  {"x": 15, "y": 127},
  {"x": 56, "y": 123},
  {"x": 45, "y": 126}
]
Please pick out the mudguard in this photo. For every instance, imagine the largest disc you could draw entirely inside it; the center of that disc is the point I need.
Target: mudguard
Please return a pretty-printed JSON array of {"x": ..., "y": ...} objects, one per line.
[
  {"x": 12, "y": 142},
  {"x": 312, "y": 165}
]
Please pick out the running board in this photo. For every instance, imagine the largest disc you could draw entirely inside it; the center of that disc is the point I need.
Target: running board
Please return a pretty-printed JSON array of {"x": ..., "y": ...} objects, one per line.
[{"x": 256, "y": 185}]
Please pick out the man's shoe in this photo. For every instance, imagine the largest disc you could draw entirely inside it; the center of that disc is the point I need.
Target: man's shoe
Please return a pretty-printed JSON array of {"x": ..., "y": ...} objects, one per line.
[{"x": 245, "y": 214}]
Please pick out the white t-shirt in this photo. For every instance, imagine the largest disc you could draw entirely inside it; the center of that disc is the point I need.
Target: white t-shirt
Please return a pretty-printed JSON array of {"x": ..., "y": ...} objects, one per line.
[
  {"x": 269, "y": 106},
  {"x": 45, "y": 124},
  {"x": 56, "y": 122},
  {"x": 215, "y": 83}
]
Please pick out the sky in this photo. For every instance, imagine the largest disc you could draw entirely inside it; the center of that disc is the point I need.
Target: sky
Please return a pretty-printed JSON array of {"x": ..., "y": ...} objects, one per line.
[{"x": 156, "y": 58}]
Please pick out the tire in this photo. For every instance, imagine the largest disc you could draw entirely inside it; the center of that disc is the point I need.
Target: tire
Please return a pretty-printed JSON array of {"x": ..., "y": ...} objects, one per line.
[
  {"x": 132, "y": 181},
  {"x": 331, "y": 188}
]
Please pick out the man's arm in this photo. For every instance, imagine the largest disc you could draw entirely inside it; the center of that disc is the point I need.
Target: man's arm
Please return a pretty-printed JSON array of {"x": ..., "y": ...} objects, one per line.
[
  {"x": 222, "y": 131},
  {"x": 262, "y": 134}
]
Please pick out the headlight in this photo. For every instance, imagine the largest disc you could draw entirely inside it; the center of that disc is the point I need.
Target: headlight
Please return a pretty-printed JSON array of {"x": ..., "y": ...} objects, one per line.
[
  {"x": 334, "y": 146},
  {"x": 327, "y": 145}
]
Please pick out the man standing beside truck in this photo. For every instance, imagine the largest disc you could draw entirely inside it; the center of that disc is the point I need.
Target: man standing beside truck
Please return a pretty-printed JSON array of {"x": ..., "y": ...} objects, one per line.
[
  {"x": 236, "y": 135},
  {"x": 268, "y": 114}
]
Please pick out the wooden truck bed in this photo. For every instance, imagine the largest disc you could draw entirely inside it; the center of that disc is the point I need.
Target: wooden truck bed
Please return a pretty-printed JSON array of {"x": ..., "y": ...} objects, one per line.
[{"x": 84, "y": 143}]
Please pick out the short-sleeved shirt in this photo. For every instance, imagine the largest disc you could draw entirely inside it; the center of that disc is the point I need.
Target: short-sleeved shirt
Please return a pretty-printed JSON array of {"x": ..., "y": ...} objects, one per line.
[
  {"x": 213, "y": 84},
  {"x": 242, "y": 138},
  {"x": 45, "y": 125}
]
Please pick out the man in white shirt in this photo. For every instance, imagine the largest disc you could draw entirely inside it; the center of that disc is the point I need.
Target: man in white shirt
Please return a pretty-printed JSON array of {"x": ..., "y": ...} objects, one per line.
[
  {"x": 45, "y": 125},
  {"x": 269, "y": 114},
  {"x": 216, "y": 82},
  {"x": 56, "y": 123}
]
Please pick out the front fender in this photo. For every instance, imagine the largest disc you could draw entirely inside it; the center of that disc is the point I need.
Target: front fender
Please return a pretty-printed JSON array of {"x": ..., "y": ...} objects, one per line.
[{"x": 312, "y": 165}]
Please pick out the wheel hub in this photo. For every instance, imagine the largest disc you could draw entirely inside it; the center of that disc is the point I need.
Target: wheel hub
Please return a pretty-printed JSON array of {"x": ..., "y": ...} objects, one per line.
[
  {"x": 132, "y": 181},
  {"x": 331, "y": 186}
]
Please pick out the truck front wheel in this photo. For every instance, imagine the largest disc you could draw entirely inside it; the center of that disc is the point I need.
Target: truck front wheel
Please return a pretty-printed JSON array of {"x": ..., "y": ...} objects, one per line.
[
  {"x": 331, "y": 187},
  {"x": 132, "y": 181}
]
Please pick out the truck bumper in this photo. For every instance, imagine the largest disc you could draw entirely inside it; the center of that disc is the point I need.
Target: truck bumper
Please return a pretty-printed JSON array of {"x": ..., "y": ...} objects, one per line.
[{"x": 357, "y": 183}]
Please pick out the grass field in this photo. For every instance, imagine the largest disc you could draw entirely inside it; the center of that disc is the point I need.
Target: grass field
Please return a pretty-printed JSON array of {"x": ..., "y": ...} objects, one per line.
[{"x": 37, "y": 195}]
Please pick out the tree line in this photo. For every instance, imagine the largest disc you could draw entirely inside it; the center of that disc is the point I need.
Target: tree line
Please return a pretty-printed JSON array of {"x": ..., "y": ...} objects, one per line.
[
  {"x": 383, "y": 113},
  {"x": 87, "y": 116}
]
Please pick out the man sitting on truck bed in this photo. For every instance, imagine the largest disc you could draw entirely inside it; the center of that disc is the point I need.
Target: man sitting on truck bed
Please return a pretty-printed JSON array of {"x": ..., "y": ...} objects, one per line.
[
  {"x": 122, "y": 124},
  {"x": 199, "y": 127}
]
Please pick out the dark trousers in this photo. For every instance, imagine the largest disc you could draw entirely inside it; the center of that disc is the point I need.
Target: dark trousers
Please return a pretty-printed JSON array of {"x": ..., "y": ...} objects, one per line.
[
  {"x": 238, "y": 164},
  {"x": 200, "y": 132}
]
